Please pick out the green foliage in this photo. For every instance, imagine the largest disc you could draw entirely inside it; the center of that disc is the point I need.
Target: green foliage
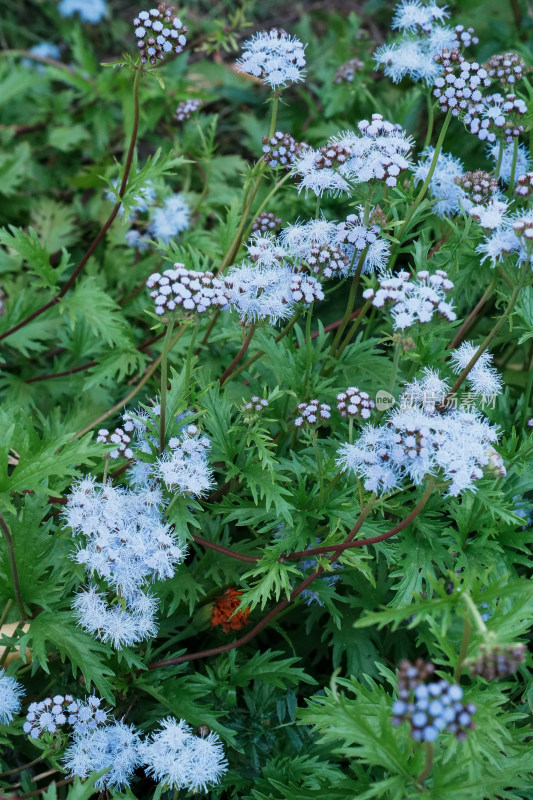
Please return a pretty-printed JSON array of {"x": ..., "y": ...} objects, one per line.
[{"x": 249, "y": 637}]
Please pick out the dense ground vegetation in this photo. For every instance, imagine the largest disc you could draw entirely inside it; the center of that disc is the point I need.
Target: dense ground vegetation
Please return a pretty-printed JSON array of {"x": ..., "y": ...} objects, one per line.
[{"x": 266, "y": 423}]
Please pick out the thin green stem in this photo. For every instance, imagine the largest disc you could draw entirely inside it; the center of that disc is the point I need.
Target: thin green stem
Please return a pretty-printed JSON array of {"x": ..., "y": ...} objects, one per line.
[
  {"x": 428, "y": 766},
  {"x": 274, "y": 114},
  {"x": 308, "y": 345},
  {"x": 125, "y": 400},
  {"x": 288, "y": 327},
  {"x": 349, "y": 336},
  {"x": 499, "y": 161},
  {"x": 513, "y": 169},
  {"x": 266, "y": 201},
  {"x": 465, "y": 642},
  {"x": 16, "y": 770},
  {"x": 468, "y": 321},
  {"x": 105, "y": 227},
  {"x": 474, "y": 612},
  {"x": 422, "y": 193},
  {"x": 351, "y": 302},
  {"x": 395, "y": 365},
  {"x": 163, "y": 393},
  {"x": 248, "y": 199},
  {"x": 314, "y": 441},
  {"x": 488, "y": 339},
  {"x": 13, "y": 566},
  {"x": 246, "y": 342},
  {"x": 431, "y": 119},
  {"x": 188, "y": 363},
  {"x": 106, "y": 468},
  {"x": 6, "y": 611},
  {"x": 350, "y": 430}
]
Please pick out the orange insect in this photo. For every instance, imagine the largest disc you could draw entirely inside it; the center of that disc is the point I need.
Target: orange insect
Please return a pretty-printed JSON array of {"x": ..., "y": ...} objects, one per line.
[{"x": 223, "y": 609}]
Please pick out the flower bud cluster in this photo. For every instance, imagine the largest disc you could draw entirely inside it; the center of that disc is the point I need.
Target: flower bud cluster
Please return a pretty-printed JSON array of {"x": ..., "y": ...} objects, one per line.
[
  {"x": 524, "y": 184},
  {"x": 523, "y": 228},
  {"x": 327, "y": 260},
  {"x": 184, "y": 467},
  {"x": 312, "y": 413},
  {"x": 56, "y": 712},
  {"x": 506, "y": 68},
  {"x": 332, "y": 155},
  {"x": 305, "y": 289},
  {"x": 118, "y": 437},
  {"x": 186, "y": 108},
  {"x": 266, "y": 221},
  {"x": 480, "y": 186},
  {"x": 430, "y": 707},
  {"x": 159, "y": 32},
  {"x": 355, "y": 403},
  {"x": 497, "y": 115},
  {"x": 281, "y": 150},
  {"x": 184, "y": 288},
  {"x": 256, "y": 404},
  {"x": 346, "y": 72},
  {"x": 273, "y": 56},
  {"x": 465, "y": 36},
  {"x": 460, "y": 82},
  {"x": 413, "y": 299},
  {"x": 497, "y": 661}
]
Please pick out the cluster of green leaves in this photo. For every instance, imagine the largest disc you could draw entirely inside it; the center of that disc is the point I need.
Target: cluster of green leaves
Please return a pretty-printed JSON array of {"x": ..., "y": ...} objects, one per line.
[{"x": 64, "y": 131}]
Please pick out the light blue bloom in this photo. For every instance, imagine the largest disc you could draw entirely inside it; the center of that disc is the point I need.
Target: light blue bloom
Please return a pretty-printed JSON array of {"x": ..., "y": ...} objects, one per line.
[
  {"x": 113, "y": 746},
  {"x": 171, "y": 219},
  {"x": 174, "y": 756},
  {"x": 10, "y": 697},
  {"x": 89, "y": 10}
]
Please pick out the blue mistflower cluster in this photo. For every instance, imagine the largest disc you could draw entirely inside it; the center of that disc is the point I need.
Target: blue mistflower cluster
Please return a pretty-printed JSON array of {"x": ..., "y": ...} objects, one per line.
[
  {"x": 423, "y": 36},
  {"x": 273, "y": 56},
  {"x": 126, "y": 544},
  {"x": 10, "y": 697},
  {"x": 53, "y": 713},
  {"x": 423, "y": 438},
  {"x": 430, "y": 706},
  {"x": 177, "y": 758},
  {"x": 89, "y": 10},
  {"x": 114, "y": 747}
]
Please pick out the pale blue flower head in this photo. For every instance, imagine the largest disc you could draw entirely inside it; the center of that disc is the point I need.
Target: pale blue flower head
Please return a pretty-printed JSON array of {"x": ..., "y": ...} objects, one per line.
[
  {"x": 89, "y": 10},
  {"x": 176, "y": 757},
  {"x": 273, "y": 56},
  {"x": 171, "y": 219},
  {"x": 10, "y": 697},
  {"x": 450, "y": 198},
  {"x": 115, "y": 747}
]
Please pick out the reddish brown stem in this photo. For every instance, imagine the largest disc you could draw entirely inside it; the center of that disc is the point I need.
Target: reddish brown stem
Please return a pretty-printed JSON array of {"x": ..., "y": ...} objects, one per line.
[
  {"x": 473, "y": 314},
  {"x": 224, "y": 550},
  {"x": 246, "y": 343},
  {"x": 103, "y": 230},
  {"x": 213, "y": 651}
]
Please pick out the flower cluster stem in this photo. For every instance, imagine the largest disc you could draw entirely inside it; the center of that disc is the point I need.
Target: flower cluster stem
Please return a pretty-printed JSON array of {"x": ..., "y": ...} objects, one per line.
[
  {"x": 105, "y": 227},
  {"x": 13, "y": 566}
]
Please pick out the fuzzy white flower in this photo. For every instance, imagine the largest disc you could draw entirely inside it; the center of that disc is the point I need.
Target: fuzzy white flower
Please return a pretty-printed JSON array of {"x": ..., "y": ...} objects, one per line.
[
  {"x": 523, "y": 160},
  {"x": 411, "y": 14},
  {"x": 413, "y": 299},
  {"x": 185, "y": 466},
  {"x": 89, "y": 10},
  {"x": 420, "y": 439},
  {"x": 115, "y": 747},
  {"x": 178, "y": 759},
  {"x": 482, "y": 378},
  {"x": 171, "y": 219},
  {"x": 442, "y": 186},
  {"x": 10, "y": 697},
  {"x": 273, "y": 56}
]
